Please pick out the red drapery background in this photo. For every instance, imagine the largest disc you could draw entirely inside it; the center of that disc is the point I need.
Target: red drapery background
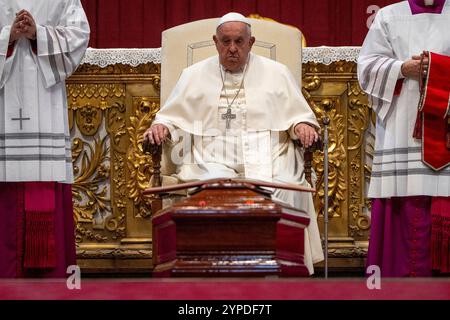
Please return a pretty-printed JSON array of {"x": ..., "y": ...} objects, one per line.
[{"x": 139, "y": 23}]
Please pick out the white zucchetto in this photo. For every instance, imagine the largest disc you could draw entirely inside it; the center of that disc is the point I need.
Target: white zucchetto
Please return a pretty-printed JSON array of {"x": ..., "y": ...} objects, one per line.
[{"x": 232, "y": 16}]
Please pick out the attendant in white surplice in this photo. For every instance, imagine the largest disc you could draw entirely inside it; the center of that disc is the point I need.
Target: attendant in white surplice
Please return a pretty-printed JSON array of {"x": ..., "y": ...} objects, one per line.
[
  {"x": 410, "y": 222},
  {"x": 41, "y": 44},
  {"x": 241, "y": 112}
]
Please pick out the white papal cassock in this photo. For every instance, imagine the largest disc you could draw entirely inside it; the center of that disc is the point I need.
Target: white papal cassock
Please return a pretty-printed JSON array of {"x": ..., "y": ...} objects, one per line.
[
  {"x": 395, "y": 36},
  {"x": 257, "y": 143},
  {"x": 34, "y": 130}
]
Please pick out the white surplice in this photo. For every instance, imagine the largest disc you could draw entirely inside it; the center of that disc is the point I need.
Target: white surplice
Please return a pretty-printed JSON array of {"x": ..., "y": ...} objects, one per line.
[
  {"x": 395, "y": 36},
  {"x": 247, "y": 148},
  {"x": 34, "y": 130}
]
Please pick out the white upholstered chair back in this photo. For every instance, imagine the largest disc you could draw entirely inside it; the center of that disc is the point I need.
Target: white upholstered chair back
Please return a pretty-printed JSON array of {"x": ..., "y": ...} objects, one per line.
[{"x": 189, "y": 43}]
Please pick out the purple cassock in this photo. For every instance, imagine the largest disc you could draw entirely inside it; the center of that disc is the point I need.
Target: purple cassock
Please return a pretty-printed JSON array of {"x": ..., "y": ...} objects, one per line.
[
  {"x": 418, "y": 6},
  {"x": 400, "y": 236},
  {"x": 42, "y": 245}
]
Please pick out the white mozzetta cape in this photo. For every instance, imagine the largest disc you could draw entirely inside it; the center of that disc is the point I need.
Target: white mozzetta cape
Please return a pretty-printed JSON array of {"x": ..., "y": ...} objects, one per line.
[
  {"x": 32, "y": 86},
  {"x": 273, "y": 97},
  {"x": 395, "y": 36}
]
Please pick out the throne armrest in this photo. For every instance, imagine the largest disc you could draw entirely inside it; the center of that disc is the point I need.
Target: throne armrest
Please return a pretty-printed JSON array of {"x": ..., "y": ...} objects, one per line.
[{"x": 155, "y": 151}]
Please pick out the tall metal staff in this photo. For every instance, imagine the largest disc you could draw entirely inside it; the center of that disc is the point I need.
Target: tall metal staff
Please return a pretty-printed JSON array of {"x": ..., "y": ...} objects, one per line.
[{"x": 326, "y": 122}]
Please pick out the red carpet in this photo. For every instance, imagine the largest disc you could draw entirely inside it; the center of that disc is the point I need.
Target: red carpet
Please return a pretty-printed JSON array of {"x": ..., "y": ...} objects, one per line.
[{"x": 220, "y": 289}]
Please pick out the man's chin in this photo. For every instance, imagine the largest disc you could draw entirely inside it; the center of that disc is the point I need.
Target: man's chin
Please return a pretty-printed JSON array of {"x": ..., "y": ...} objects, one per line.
[{"x": 233, "y": 66}]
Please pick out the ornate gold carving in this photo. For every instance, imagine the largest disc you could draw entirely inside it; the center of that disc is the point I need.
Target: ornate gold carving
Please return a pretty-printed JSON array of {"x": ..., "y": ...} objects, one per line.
[
  {"x": 77, "y": 91},
  {"x": 116, "y": 126},
  {"x": 140, "y": 164},
  {"x": 116, "y": 253},
  {"x": 119, "y": 195},
  {"x": 336, "y": 164},
  {"x": 311, "y": 84},
  {"x": 87, "y": 101},
  {"x": 355, "y": 90},
  {"x": 120, "y": 69},
  {"x": 91, "y": 156},
  {"x": 354, "y": 252},
  {"x": 336, "y": 152},
  {"x": 93, "y": 171},
  {"x": 356, "y": 202},
  {"x": 84, "y": 233},
  {"x": 359, "y": 120},
  {"x": 88, "y": 120},
  {"x": 103, "y": 112},
  {"x": 333, "y": 90},
  {"x": 90, "y": 198},
  {"x": 70, "y": 114},
  {"x": 156, "y": 81},
  {"x": 257, "y": 16},
  {"x": 335, "y": 69}
]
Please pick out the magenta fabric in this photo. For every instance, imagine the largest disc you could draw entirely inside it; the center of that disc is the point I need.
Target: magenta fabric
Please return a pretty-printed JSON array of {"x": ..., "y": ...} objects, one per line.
[
  {"x": 264, "y": 289},
  {"x": 400, "y": 236},
  {"x": 39, "y": 196},
  {"x": 440, "y": 235},
  {"x": 12, "y": 232},
  {"x": 418, "y": 6},
  {"x": 39, "y": 203}
]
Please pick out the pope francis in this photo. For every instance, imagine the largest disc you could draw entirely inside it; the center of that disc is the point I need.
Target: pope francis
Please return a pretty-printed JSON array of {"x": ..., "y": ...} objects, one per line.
[{"x": 236, "y": 114}]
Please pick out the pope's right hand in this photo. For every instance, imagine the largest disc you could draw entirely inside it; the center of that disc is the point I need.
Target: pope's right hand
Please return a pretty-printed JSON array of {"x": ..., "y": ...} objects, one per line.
[{"x": 157, "y": 133}]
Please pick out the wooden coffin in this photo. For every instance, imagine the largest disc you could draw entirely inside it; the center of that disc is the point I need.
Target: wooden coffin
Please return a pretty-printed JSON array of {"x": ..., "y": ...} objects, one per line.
[{"x": 229, "y": 229}]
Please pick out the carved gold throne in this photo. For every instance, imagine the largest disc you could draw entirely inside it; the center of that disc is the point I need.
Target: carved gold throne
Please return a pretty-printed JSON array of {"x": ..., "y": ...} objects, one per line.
[{"x": 112, "y": 104}]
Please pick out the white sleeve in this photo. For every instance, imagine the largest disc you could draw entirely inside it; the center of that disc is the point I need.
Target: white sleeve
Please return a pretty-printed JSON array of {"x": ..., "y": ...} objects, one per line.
[
  {"x": 61, "y": 48},
  {"x": 378, "y": 67},
  {"x": 5, "y": 64},
  {"x": 174, "y": 134}
]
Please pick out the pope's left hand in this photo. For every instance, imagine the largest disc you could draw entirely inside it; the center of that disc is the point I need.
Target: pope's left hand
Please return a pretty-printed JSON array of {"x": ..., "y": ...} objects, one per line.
[{"x": 306, "y": 134}]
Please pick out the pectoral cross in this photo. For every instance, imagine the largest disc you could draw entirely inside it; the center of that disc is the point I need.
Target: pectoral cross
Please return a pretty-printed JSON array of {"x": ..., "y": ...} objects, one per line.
[
  {"x": 228, "y": 117},
  {"x": 20, "y": 118}
]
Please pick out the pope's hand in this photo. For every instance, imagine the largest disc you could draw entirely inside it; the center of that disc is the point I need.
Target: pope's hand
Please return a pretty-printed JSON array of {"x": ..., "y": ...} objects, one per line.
[
  {"x": 157, "y": 133},
  {"x": 306, "y": 134}
]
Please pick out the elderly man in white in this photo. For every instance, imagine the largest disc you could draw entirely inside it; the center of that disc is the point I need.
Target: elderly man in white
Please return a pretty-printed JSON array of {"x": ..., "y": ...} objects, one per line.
[{"x": 241, "y": 111}]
